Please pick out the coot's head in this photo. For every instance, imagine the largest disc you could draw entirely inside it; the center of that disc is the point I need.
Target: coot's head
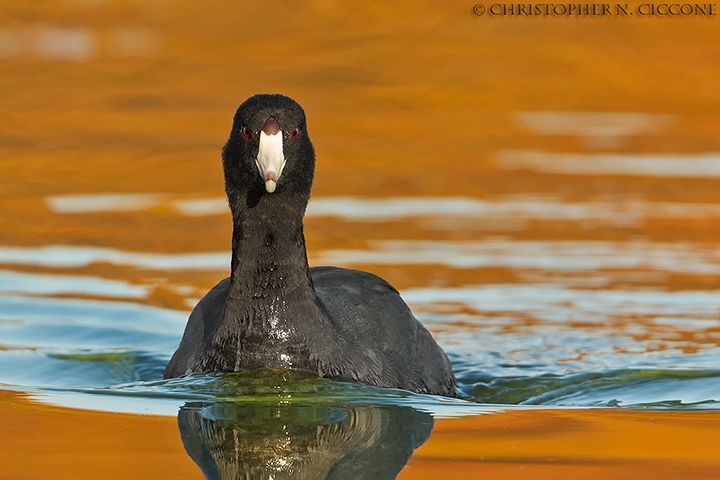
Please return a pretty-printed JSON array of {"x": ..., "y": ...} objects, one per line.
[{"x": 269, "y": 151}]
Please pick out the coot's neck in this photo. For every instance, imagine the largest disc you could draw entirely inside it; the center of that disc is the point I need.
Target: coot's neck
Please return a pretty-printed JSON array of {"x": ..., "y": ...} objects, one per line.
[
  {"x": 269, "y": 261},
  {"x": 271, "y": 296}
]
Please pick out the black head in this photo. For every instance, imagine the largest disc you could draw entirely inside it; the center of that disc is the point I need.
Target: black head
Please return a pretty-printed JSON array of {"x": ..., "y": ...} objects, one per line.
[{"x": 269, "y": 153}]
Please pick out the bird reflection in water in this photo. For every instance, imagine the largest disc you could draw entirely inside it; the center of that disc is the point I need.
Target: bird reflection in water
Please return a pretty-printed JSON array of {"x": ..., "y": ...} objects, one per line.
[{"x": 235, "y": 441}]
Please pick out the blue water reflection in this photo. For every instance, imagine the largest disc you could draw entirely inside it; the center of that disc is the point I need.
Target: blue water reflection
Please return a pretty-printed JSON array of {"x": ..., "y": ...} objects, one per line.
[{"x": 81, "y": 352}]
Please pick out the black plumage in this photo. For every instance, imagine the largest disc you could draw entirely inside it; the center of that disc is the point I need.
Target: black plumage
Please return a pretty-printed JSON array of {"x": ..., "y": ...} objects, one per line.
[{"x": 276, "y": 312}]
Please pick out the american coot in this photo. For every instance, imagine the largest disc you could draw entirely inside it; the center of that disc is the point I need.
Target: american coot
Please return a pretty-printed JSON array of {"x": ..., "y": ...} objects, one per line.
[{"x": 276, "y": 312}]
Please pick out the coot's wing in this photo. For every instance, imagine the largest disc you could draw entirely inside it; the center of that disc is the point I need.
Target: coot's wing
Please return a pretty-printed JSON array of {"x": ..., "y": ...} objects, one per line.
[
  {"x": 201, "y": 325},
  {"x": 368, "y": 312}
]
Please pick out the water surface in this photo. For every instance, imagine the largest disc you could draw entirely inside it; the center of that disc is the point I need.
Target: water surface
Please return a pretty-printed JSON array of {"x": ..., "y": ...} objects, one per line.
[{"x": 545, "y": 199}]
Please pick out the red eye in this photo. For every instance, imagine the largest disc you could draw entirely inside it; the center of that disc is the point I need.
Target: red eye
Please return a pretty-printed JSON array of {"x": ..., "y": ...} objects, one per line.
[
  {"x": 295, "y": 134},
  {"x": 246, "y": 132}
]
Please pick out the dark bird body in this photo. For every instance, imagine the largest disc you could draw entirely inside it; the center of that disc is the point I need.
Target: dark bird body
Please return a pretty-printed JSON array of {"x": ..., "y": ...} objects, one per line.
[{"x": 276, "y": 312}]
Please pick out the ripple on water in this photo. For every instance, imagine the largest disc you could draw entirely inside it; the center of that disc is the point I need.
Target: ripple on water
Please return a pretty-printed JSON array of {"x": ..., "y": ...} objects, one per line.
[
  {"x": 93, "y": 343},
  {"x": 436, "y": 212},
  {"x": 51, "y": 284},
  {"x": 699, "y": 166},
  {"x": 559, "y": 255},
  {"x": 69, "y": 256},
  {"x": 510, "y": 344},
  {"x": 658, "y": 388}
]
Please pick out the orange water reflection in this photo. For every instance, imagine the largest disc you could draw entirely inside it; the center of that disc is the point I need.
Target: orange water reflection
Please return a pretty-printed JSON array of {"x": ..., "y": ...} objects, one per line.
[
  {"x": 45, "y": 442},
  {"x": 405, "y": 99},
  {"x": 572, "y": 444},
  {"x": 54, "y": 443}
]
